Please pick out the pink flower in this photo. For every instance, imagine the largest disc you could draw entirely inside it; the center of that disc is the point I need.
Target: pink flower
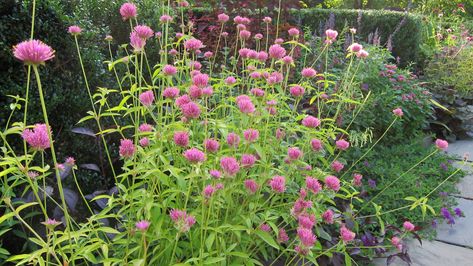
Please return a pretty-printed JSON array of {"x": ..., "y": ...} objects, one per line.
[
  {"x": 51, "y": 223},
  {"x": 328, "y": 216},
  {"x": 276, "y": 51},
  {"x": 233, "y": 139},
  {"x": 195, "y": 65},
  {"x": 332, "y": 182},
  {"x": 207, "y": 91},
  {"x": 280, "y": 133},
  {"x": 267, "y": 20},
  {"x": 279, "y": 41},
  {"x": 193, "y": 45},
  {"x": 193, "y": 155},
  {"x": 208, "y": 54},
  {"x": 190, "y": 110},
  {"x": 337, "y": 166},
  {"x": 147, "y": 98},
  {"x": 248, "y": 160},
  {"x": 181, "y": 138},
  {"x": 142, "y": 225},
  {"x": 297, "y": 91},
  {"x": 165, "y": 19},
  {"x": 251, "y": 186},
  {"x": 262, "y": 56},
  {"x": 342, "y": 144},
  {"x": 362, "y": 54},
  {"x": 257, "y": 92},
  {"x": 306, "y": 237},
  {"x": 294, "y": 153},
  {"x": 173, "y": 52},
  {"x": 346, "y": 235},
  {"x": 171, "y": 92},
  {"x": 310, "y": 121},
  {"x": 144, "y": 142},
  {"x": 275, "y": 78},
  {"x": 183, "y": 3},
  {"x": 331, "y": 34},
  {"x": 246, "y": 107},
  {"x": 70, "y": 161},
  {"x": 230, "y": 165},
  {"x": 287, "y": 60},
  {"x": 201, "y": 80},
  {"x": 222, "y": 18},
  {"x": 278, "y": 184},
  {"x": 215, "y": 174},
  {"x": 195, "y": 92},
  {"x": 282, "y": 236},
  {"x": 306, "y": 221},
  {"x": 137, "y": 42},
  {"x": 128, "y": 10},
  {"x": 251, "y": 135},
  {"x": 33, "y": 52},
  {"x": 230, "y": 80},
  {"x": 127, "y": 148},
  {"x": 241, "y": 27},
  {"x": 74, "y": 30},
  {"x": 143, "y": 31},
  {"x": 258, "y": 36},
  {"x": 313, "y": 184},
  {"x": 265, "y": 227},
  {"x": 209, "y": 190},
  {"x": 224, "y": 34},
  {"x": 245, "y": 35},
  {"x": 145, "y": 128},
  {"x": 211, "y": 145},
  {"x": 398, "y": 112},
  {"x": 408, "y": 226},
  {"x": 441, "y": 144},
  {"x": 241, "y": 20},
  {"x": 293, "y": 32},
  {"x": 357, "y": 179},
  {"x": 37, "y": 138},
  {"x": 184, "y": 99},
  {"x": 219, "y": 186},
  {"x": 182, "y": 220},
  {"x": 308, "y": 72},
  {"x": 316, "y": 144},
  {"x": 169, "y": 70},
  {"x": 355, "y": 47}
]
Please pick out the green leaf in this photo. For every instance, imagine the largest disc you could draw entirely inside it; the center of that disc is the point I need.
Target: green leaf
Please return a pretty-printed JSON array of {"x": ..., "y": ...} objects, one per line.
[
  {"x": 267, "y": 238},
  {"x": 347, "y": 259},
  {"x": 213, "y": 260}
]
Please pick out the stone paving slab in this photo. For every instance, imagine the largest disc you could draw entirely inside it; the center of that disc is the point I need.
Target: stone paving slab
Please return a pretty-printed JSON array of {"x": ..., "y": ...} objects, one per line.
[
  {"x": 465, "y": 186},
  {"x": 461, "y": 233},
  {"x": 460, "y": 148},
  {"x": 433, "y": 253}
]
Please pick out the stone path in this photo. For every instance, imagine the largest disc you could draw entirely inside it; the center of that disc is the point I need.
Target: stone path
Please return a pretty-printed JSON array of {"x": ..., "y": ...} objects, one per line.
[{"x": 453, "y": 245}]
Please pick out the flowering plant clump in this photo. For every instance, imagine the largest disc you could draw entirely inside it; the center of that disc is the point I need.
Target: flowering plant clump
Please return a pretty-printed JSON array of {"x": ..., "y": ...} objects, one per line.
[{"x": 218, "y": 164}]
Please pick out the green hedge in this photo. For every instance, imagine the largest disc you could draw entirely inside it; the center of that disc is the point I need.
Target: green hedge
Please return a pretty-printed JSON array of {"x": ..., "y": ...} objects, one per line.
[{"x": 406, "y": 43}]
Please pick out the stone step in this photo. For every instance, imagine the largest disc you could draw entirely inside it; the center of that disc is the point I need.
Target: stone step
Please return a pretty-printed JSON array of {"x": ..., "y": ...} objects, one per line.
[
  {"x": 461, "y": 233},
  {"x": 460, "y": 148},
  {"x": 465, "y": 186}
]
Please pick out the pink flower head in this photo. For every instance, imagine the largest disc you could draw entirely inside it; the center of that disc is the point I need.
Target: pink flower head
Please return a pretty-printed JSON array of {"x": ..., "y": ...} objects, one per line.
[
  {"x": 308, "y": 72},
  {"x": 145, "y": 128},
  {"x": 70, "y": 161},
  {"x": 357, "y": 179},
  {"x": 195, "y": 92},
  {"x": 346, "y": 235},
  {"x": 398, "y": 112},
  {"x": 276, "y": 51},
  {"x": 262, "y": 56},
  {"x": 128, "y": 11},
  {"x": 316, "y": 144},
  {"x": 408, "y": 226},
  {"x": 267, "y": 20},
  {"x": 248, "y": 160},
  {"x": 74, "y": 30},
  {"x": 258, "y": 36},
  {"x": 201, "y": 80},
  {"x": 251, "y": 135},
  {"x": 169, "y": 70},
  {"x": 193, "y": 155},
  {"x": 280, "y": 133},
  {"x": 332, "y": 182},
  {"x": 165, "y": 18},
  {"x": 143, "y": 31},
  {"x": 342, "y": 144},
  {"x": 337, "y": 166},
  {"x": 255, "y": 75},
  {"x": 183, "y": 3},
  {"x": 208, "y": 54},
  {"x": 287, "y": 60},
  {"x": 182, "y": 220},
  {"x": 144, "y": 142},
  {"x": 127, "y": 148},
  {"x": 306, "y": 237},
  {"x": 190, "y": 110},
  {"x": 211, "y": 145},
  {"x": 306, "y": 221},
  {"x": 313, "y": 184},
  {"x": 241, "y": 20},
  {"x": 355, "y": 47},
  {"x": 182, "y": 100},
  {"x": 219, "y": 186},
  {"x": 207, "y": 91},
  {"x": 215, "y": 174},
  {"x": 279, "y": 41},
  {"x": 209, "y": 190},
  {"x": 257, "y": 92},
  {"x": 396, "y": 241},
  {"x": 282, "y": 236},
  {"x": 441, "y": 144},
  {"x": 310, "y": 121},
  {"x": 331, "y": 34},
  {"x": 171, "y": 92},
  {"x": 38, "y": 138},
  {"x": 33, "y": 52},
  {"x": 293, "y": 32},
  {"x": 233, "y": 139},
  {"x": 278, "y": 184},
  {"x": 147, "y": 98},
  {"x": 297, "y": 91},
  {"x": 328, "y": 216},
  {"x": 222, "y": 18},
  {"x": 362, "y": 54},
  {"x": 173, "y": 52},
  {"x": 230, "y": 165},
  {"x": 51, "y": 223},
  {"x": 181, "y": 138},
  {"x": 246, "y": 106},
  {"x": 195, "y": 65},
  {"x": 230, "y": 80},
  {"x": 137, "y": 42},
  {"x": 245, "y": 35},
  {"x": 275, "y": 78},
  {"x": 142, "y": 225},
  {"x": 251, "y": 186},
  {"x": 294, "y": 153},
  {"x": 193, "y": 45},
  {"x": 265, "y": 227}
]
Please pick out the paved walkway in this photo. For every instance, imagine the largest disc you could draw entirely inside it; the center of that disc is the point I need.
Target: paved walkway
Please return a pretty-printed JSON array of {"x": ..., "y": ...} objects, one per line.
[{"x": 453, "y": 245}]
